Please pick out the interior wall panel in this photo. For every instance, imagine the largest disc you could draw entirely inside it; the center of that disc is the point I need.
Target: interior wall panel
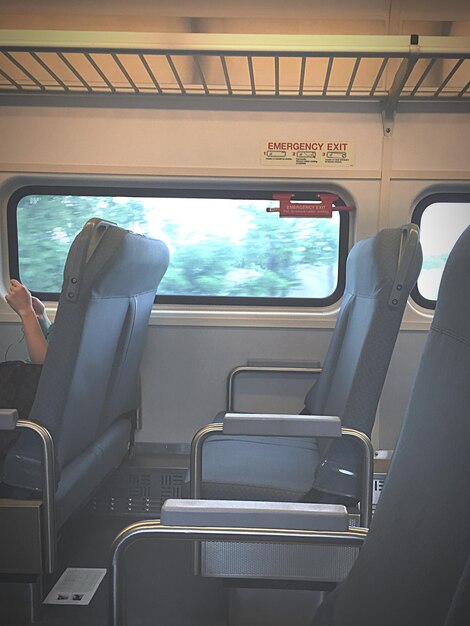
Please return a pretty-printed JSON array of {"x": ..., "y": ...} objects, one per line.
[{"x": 175, "y": 138}]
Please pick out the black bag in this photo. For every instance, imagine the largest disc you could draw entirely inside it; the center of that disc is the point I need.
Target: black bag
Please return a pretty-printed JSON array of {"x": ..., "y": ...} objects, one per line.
[{"x": 18, "y": 385}]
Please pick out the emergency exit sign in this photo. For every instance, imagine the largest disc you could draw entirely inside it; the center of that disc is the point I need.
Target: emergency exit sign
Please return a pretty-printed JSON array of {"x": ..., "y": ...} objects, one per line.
[{"x": 308, "y": 153}]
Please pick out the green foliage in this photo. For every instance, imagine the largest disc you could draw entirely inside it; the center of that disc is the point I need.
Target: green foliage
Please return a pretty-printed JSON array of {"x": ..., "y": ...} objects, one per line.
[
  {"x": 269, "y": 258},
  {"x": 199, "y": 269},
  {"x": 47, "y": 225}
]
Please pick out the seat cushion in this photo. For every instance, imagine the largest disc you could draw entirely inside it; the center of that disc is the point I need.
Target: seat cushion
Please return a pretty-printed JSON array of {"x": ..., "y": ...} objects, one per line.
[
  {"x": 236, "y": 467},
  {"x": 85, "y": 473}
]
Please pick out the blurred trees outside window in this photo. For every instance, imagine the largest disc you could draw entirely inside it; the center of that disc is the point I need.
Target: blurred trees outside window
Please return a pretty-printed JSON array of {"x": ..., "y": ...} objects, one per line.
[{"x": 219, "y": 247}]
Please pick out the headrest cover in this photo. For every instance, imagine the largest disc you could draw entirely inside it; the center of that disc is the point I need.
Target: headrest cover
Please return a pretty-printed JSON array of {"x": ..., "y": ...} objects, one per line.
[{"x": 372, "y": 264}]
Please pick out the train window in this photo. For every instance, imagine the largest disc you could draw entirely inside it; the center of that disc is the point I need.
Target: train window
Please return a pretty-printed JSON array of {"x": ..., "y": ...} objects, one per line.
[
  {"x": 442, "y": 218},
  {"x": 225, "y": 247}
]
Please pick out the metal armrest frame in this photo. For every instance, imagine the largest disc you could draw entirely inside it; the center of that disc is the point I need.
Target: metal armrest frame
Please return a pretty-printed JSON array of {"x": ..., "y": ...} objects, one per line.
[
  {"x": 274, "y": 369},
  {"x": 48, "y": 491},
  {"x": 215, "y": 429},
  {"x": 154, "y": 530}
]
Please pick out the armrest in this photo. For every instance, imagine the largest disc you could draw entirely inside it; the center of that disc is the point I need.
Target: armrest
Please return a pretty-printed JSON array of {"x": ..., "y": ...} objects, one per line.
[
  {"x": 252, "y": 514},
  {"x": 8, "y": 419},
  {"x": 267, "y": 367},
  {"x": 274, "y": 425},
  {"x": 154, "y": 530}
]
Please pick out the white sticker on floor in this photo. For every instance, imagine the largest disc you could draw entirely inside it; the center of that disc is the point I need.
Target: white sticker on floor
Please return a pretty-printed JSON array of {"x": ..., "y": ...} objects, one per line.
[{"x": 76, "y": 586}]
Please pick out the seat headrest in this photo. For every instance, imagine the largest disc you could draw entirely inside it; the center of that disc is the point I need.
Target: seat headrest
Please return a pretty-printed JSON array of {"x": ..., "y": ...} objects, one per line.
[
  {"x": 122, "y": 265},
  {"x": 373, "y": 263}
]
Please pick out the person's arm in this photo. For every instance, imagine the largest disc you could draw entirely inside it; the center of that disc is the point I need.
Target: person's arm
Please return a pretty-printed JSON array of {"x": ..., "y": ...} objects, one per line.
[
  {"x": 20, "y": 300},
  {"x": 40, "y": 310}
]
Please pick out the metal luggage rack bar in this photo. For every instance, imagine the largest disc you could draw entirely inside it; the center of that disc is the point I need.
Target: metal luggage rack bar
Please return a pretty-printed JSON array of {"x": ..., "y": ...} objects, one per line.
[{"x": 388, "y": 69}]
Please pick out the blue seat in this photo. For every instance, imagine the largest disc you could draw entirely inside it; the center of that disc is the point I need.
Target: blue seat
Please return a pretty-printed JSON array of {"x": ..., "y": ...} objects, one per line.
[
  {"x": 418, "y": 544},
  {"x": 380, "y": 273},
  {"x": 88, "y": 390}
]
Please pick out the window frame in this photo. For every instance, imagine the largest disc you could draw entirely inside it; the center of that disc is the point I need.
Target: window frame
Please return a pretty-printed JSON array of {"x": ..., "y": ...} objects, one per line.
[
  {"x": 449, "y": 197},
  {"x": 191, "y": 192}
]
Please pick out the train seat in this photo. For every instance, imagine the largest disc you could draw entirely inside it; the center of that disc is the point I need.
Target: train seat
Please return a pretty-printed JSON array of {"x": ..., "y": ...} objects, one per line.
[
  {"x": 380, "y": 273},
  {"x": 418, "y": 543},
  {"x": 88, "y": 389},
  {"x": 413, "y": 566},
  {"x": 459, "y": 612}
]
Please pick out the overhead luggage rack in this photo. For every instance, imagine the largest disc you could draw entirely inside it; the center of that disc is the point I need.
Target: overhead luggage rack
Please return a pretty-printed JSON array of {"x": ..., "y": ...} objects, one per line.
[{"x": 382, "y": 68}]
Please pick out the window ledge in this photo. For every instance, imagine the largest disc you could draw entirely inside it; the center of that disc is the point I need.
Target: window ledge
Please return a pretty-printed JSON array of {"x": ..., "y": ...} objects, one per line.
[{"x": 167, "y": 315}]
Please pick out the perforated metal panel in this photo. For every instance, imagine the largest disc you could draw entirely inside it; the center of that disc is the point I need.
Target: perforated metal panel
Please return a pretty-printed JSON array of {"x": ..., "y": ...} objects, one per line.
[{"x": 287, "y": 562}]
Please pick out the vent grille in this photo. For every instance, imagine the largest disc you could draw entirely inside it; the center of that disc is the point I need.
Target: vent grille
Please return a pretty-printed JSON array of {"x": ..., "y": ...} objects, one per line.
[{"x": 138, "y": 491}]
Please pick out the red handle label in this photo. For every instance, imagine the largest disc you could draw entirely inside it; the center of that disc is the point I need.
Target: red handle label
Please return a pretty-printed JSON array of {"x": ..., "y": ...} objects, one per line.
[{"x": 324, "y": 208}]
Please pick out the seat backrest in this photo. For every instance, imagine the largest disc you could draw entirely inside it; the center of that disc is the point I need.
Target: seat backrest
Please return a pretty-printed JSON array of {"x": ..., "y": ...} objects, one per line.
[
  {"x": 90, "y": 376},
  {"x": 409, "y": 568},
  {"x": 459, "y": 612},
  {"x": 380, "y": 273}
]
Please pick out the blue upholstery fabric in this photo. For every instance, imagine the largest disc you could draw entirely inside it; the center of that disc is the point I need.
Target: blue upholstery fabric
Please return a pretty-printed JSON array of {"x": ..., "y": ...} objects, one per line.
[
  {"x": 349, "y": 387},
  {"x": 419, "y": 541},
  {"x": 90, "y": 376},
  {"x": 258, "y": 468},
  {"x": 359, "y": 354},
  {"x": 459, "y": 612},
  {"x": 85, "y": 473}
]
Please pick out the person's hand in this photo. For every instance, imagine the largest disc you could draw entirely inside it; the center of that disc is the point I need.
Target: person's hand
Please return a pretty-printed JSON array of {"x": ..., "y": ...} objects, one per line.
[{"x": 19, "y": 298}]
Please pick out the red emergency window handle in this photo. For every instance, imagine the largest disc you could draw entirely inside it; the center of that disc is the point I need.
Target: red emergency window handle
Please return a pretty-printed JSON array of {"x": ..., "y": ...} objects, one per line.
[{"x": 324, "y": 208}]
